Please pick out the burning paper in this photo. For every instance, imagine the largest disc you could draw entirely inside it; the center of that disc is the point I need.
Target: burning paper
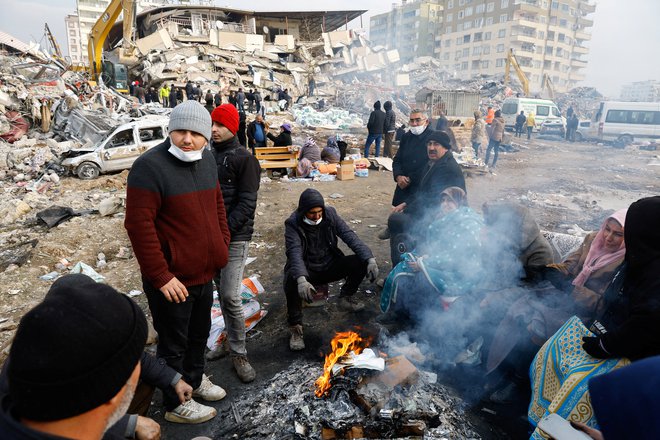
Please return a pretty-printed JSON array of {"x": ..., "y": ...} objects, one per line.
[{"x": 367, "y": 359}]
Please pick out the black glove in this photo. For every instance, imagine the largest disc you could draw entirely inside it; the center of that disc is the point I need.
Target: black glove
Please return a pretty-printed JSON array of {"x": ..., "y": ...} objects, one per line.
[
  {"x": 305, "y": 290},
  {"x": 594, "y": 347}
]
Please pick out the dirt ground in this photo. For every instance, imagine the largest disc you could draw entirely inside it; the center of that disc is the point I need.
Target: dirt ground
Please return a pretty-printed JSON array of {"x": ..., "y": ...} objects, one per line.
[{"x": 564, "y": 184}]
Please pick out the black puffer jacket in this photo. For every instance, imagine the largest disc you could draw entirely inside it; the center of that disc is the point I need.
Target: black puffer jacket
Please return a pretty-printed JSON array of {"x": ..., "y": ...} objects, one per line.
[
  {"x": 239, "y": 174},
  {"x": 332, "y": 227},
  {"x": 376, "y": 122}
]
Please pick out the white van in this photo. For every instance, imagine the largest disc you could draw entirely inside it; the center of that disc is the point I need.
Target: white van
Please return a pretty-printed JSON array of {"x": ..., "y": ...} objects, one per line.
[
  {"x": 119, "y": 149},
  {"x": 542, "y": 108},
  {"x": 625, "y": 121}
]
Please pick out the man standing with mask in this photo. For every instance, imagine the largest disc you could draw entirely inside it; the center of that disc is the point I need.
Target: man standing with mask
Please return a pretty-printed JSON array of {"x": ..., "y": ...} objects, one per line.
[
  {"x": 239, "y": 174},
  {"x": 313, "y": 259},
  {"x": 409, "y": 161},
  {"x": 175, "y": 219}
]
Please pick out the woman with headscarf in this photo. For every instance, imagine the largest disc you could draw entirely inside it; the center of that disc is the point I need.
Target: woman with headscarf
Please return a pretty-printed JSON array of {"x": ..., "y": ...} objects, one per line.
[
  {"x": 576, "y": 287},
  {"x": 309, "y": 155},
  {"x": 447, "y": 263},
  {"x": 627, "y": 330},
  {"x": 331, "y": 153}
]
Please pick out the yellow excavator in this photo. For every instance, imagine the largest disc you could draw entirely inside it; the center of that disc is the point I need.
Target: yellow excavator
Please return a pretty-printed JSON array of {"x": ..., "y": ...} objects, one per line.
[
  {"x": 113, "y": 75},
  {"x": 512, "y": 60}
]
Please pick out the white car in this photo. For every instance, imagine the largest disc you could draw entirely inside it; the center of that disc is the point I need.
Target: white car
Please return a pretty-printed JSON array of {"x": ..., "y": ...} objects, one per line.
[{"x": 119, "y": 149}]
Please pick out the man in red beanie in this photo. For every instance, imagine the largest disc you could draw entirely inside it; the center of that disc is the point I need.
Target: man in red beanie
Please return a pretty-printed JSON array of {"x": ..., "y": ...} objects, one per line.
[{"x": 239, "y": 174}]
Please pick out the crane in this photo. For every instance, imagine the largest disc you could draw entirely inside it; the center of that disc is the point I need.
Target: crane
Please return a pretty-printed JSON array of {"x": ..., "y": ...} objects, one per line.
[
  {"x": 114, "y": 75},
  {"x": 512, "y": 60},
  {"x": 56, "y": 47},
  {"x": 547, "y": 84}
]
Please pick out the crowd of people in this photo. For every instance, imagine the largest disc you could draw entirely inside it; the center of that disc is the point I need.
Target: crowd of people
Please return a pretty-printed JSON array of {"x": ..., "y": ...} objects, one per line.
[{"x": 578, "y": 332}]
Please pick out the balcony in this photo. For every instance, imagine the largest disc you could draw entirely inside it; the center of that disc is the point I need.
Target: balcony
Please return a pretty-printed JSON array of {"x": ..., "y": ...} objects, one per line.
[
  {"x": 531, "y": 7},
  {"x": 580, "y": 49},
  {"x": 524, "y": 38},
  {"x": 585, "y": 22},
  {"x": 576, "y": 76},
  {"x": 582, "y": 35},
  {"x": 587, "y": 7},
  {"x": 578, "y": 64}
]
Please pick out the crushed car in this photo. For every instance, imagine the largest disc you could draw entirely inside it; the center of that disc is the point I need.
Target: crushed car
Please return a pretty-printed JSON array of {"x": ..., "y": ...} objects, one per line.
[{"x": 118, "y": 150}]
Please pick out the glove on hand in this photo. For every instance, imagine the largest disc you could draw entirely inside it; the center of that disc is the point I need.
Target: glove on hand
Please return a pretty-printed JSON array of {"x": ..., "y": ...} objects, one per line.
[
  {"x": 372, "y": 269},
  {"x": 305, "y": 290},
  {"x": 594, "y": 347}
]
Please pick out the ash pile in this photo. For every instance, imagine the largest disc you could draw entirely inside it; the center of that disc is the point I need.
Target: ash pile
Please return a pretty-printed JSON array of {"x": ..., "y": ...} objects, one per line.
[{"x": 365, "y": 396}]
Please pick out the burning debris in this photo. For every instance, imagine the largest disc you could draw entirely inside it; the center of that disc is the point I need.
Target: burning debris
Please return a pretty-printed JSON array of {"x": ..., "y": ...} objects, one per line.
[{"x": 358, "y": 394}]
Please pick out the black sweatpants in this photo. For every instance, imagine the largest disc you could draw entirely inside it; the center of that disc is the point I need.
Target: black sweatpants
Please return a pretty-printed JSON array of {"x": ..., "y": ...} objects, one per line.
[
  {"x": 350, "y": 267},
  {"x": 183, "y": 329}
]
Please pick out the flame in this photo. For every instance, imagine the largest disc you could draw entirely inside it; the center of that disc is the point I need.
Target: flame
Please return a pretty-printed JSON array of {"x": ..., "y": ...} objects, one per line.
[{"x": 342, "y": 344}]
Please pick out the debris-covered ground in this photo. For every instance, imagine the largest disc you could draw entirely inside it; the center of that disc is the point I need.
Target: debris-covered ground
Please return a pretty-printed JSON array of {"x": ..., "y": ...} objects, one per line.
[{"x": 52, "y": 223}]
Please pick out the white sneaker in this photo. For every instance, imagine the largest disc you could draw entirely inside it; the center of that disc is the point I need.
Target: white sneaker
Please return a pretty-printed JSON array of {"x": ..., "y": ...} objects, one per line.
[
  {"x": 190, "y": 412},
  {"x": 208, "y": 391}
]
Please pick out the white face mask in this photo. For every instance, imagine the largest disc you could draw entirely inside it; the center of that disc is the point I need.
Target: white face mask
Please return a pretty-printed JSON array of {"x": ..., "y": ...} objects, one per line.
[
  {"x": 312, "y": 222},
  {"x": 186, "y": 156},
  {"x": 418, "y": 130}
]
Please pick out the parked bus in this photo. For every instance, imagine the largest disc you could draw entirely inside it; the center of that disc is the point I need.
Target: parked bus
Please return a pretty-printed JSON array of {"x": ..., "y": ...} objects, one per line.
[
  {"x": 542, "y": 108},
  {"x": 625, "y": 121}
]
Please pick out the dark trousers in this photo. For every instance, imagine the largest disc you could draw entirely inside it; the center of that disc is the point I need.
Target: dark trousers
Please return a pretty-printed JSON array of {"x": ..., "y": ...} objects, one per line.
[
  {"x": 183, "y": 329},
  {"x": 529, "y": 132},
  {"x": 400, "y": 226},
  {"x": 519, "y": 130},
  {"x": 350, "y": 267},
  {"x": 493, "y": 144}
]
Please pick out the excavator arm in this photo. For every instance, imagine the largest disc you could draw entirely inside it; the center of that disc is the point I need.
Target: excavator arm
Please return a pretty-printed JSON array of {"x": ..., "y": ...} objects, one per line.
[
  {"x": 101, "y": 29},
  {"x": 547, "y": 84},
  {"x": 53, "y": 43},
  {"x": 511, "y": 60}
]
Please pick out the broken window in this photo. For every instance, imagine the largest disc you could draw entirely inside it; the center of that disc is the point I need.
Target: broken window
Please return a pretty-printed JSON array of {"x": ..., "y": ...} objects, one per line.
[
  {"x": 121, "y": 139},
  {"x": 466, "y": 38},
  {"x": 151, "y": 134},
  {"x": 478, "y": 36}
]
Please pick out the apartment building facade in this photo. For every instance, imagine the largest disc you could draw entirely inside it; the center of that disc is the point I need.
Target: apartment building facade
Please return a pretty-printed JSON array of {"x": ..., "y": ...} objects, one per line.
[
  {"x": 473, "y": 37},
  {"x": 413, "y": 27},
  {"x": 73, "y": 40},
  {"x": 641, "y": 91}
]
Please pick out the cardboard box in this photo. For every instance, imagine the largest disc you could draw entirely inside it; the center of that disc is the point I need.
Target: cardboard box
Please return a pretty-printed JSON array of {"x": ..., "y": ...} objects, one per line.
[
  {"x": 398, "y": 371},
  {"x": 346, "y": 170}
]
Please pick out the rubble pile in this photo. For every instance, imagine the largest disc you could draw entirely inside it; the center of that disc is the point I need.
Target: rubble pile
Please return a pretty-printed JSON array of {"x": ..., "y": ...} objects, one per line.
[
  {"x": 299, "y": 414},
  {"x": 585, "y": 100}
]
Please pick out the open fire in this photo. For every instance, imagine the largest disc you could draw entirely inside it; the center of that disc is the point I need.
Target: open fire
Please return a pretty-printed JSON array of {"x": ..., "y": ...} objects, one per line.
[{"x": 341, "y": 345}]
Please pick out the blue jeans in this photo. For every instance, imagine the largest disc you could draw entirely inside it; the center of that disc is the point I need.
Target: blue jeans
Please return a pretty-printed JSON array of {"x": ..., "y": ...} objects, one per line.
[
  {"x": 370, "y": 139},
  {"x": 475, "y": 147},
  {"x": 228, "y": 282},
  {"x": 496, "y": 145},
  {"x": 529, "y": 132}
]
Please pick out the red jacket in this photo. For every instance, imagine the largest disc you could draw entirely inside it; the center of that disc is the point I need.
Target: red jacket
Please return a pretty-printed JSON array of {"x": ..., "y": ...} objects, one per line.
[{"x": 175, "y": 218}]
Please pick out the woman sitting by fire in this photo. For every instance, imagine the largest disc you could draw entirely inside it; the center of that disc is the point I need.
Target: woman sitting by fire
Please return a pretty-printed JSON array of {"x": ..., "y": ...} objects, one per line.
[
  {"x": 446, "y": 265},
  {"x": 628, "y": 329},
  {"x": 576, "y": 286}
]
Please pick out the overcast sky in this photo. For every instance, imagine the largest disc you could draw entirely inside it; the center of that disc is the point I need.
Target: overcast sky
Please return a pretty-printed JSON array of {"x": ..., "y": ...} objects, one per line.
[{"x": 623, "y": 47}]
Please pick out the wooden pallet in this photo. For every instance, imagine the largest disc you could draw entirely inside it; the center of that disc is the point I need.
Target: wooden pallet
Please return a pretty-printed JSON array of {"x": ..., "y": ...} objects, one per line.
[{"x": 276, "y": 157}]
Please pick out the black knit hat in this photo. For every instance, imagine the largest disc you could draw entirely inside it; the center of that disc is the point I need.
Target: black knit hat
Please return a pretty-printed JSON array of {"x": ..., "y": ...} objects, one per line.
[
  {"x": 310, "y": 198},
  {"x": 440, "y": 137},
  {"x": 75, "y": 350}
]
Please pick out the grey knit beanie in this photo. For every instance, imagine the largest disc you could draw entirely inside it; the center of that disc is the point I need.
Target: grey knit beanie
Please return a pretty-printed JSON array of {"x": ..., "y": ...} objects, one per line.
[{"x": 191, "y": 115}]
